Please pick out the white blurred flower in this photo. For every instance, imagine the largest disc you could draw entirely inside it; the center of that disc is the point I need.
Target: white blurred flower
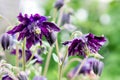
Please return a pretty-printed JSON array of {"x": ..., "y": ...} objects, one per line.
[
  {"x": 105, "y": 1},
  {"x": 31, "y": 7},
  {"x": 82, "y": 14},
  {"x": 105, "y": 19},
  {"x": 69, "y": 27}
]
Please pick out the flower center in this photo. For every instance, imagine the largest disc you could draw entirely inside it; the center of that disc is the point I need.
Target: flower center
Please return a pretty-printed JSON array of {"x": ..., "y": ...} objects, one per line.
[{"x": 37, "y": 30}]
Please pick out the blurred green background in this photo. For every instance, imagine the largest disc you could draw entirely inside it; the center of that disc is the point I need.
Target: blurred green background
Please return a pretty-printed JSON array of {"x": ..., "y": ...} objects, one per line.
[{"x": 101, "y": 17}]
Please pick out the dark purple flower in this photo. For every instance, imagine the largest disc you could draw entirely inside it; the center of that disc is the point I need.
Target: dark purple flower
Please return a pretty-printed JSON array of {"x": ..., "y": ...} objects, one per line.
[
  {"x": 28, "y": 55},
  {"x": 59, "y": 4},
  {"x": 39, "y": 78},
  {"x": 33, "y": 28},
  {"x": 6, "y": 77},
  {"x": 84, "y": 44},
  {"x": 5, "y": 41},
  {"x": 91, "y": 64}
]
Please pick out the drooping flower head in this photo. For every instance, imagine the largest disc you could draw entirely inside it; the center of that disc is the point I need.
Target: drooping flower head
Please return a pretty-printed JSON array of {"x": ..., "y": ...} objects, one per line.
[
  {"x": 84, "y": 44},
  {"x": 91, "y": 65},
  {"x": 33, "y": 28}
]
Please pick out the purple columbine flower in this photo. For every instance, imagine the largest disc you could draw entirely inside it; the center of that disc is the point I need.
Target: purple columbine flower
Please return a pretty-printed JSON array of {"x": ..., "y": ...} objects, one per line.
[
  {"x": 90, "y": 65},
  {"x": 39, "y": 78},
  {"x": 28, "y": 55},
  {"x": 84, "y": 44},
  {"x": 6, "y": 77},
  {"x": 33, "y": 28}
]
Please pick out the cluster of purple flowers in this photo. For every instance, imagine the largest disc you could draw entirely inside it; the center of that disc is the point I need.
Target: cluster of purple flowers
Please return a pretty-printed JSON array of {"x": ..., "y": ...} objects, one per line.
[{"x": 34, "y": 27}]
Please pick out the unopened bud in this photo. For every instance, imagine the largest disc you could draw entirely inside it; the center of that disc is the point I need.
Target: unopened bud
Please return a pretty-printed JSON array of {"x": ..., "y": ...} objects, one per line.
[
  {"x": 5, "y": 41},
  {"x": 6, "y": 77},
  {"x": 59, "y": 4},
  {"x": 22, "y": 76}
]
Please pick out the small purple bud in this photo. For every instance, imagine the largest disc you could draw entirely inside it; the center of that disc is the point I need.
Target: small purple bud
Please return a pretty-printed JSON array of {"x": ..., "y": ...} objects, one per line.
[
  {"x": 6, "y": 77},
  {"x": 5, "y": 41},
  {"x": 39, "y": 78},
  {"x": 66, "y": 18},
  {"x": 22, "y": 76},
  {"x": 59, "y": 4},
  {"x": 41, "y": 50}
]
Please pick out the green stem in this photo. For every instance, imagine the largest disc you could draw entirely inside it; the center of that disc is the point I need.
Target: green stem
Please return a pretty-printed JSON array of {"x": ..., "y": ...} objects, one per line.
[
  {"x": 23, "y": 54},
  {"x": 71, "y": 61},
  {"x": 61, "y": 66},
  {"x": 47, "y": 61},
  {"x": 17, "y": 56},
  {"x": 80, "y": 67}
]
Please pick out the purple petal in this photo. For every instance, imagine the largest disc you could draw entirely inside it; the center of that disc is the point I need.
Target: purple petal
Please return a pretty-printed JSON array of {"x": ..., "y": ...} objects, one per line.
[
  {"x": 16, "y": 29},
  {"x": 51, "y": 26}
]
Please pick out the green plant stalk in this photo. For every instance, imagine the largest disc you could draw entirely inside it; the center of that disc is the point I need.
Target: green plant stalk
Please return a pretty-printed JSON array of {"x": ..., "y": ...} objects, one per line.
[
  {"x": 23, "y": 54},
  {"x": 17, "y": 56},
  {"x": 47, "y": 61},
  {"x": 80, "y": 67},
  {"x": 61, "y": 66},
  {"x": 71, "y": 61},
  {"x": 50, "y": 49}
]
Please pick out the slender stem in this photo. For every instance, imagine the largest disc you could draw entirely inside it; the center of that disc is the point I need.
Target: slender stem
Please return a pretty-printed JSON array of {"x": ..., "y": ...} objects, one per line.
[
  {"x": 47, "y": 61},
  {"x": 71, "y": 61},
  {"x": 54, "y": 14},
  {"x": 61, "y": 66},
  {"x": 80, "y": 67},
  {"x": 60, "y": 16},
  {"x": 17, "y": 56},
  {"x": 23, "y": 54}
]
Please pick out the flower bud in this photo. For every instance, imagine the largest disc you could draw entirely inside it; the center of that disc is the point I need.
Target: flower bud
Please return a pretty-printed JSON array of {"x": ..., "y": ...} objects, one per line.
[
  {"x": 22, "y": 76},
  {"x": 5, "y": 41},
  {"x": 6, "y": 77},
  {"x": 66, "y": 18},
  {"x": 59, "y": 4}
]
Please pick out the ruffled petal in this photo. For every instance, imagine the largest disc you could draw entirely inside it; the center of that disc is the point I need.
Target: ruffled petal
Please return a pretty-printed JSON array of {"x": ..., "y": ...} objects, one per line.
[{"x": 51, "y": 26}]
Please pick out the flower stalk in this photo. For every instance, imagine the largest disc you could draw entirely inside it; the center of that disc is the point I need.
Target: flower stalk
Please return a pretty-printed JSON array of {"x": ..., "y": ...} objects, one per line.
[
  {"x": 80, "y": 67},
  {"x": 47, "y": 61},
  {"x": 23, "y": 54}
]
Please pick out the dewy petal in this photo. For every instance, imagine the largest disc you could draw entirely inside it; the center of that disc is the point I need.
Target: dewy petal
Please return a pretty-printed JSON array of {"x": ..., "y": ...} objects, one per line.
[{"x": 51, "y": 26}]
